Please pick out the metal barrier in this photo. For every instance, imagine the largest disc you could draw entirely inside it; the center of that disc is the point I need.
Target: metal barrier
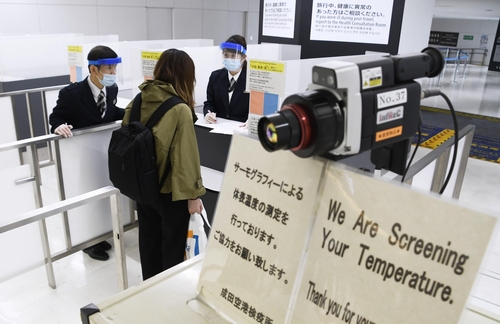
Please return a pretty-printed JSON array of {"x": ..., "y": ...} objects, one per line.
[
  {"x": 441, "y": 155},
  {"x": 43, "y": 98},
  {"x": 39, "y": 215},
  {"x": 34, "y": 163},
  {"x": 449, "y": 52},
  {"x": 42, "y": 92}
]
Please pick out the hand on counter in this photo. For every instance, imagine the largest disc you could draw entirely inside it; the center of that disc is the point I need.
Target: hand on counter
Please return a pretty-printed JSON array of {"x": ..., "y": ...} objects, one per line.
[
  {"x": 210, "y": 118},
  {"x": 64, "y": 130}
]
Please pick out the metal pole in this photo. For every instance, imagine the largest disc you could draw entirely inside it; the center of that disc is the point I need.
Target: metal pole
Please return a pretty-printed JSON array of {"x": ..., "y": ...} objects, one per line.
[
  {"x": 46, "y": 124},
  {"x": 62, "y": 195},
  {"x": 42, "y": 225},
  {"x": 116, "y": 218},
  {"x": 440, "y": 171},
  {"x": 463, "y": 164}
]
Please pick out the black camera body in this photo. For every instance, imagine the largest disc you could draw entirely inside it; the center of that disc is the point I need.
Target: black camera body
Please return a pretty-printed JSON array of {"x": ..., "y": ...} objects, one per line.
[{"x": 355, "y": 104}]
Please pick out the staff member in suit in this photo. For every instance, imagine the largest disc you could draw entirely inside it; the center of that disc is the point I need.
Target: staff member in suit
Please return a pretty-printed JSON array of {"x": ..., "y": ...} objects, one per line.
[
  {"x": 88, "y": 103},
  {"x": 225, "y": 91}
]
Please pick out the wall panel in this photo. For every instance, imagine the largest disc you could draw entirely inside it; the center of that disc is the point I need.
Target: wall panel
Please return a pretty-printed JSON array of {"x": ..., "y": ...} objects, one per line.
[
  {"x": 19, "y": 19},
  {"x": 187, "y": 23},
  {"x": 131, "y": 24},
  {"x": 160, "y": 3},
  {"x": 159, "y": 23},
  {"x": 216, "y": 4},
  {"x": 192, "y": 4},
  {"x": 68, "y": 19}
]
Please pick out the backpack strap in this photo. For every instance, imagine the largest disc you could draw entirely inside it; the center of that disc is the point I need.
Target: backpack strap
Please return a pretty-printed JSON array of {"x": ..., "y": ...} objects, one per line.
[
  {"x": 135, "y": 112},
  {"x": 155, "y": 118},
  {"x": 161, "y": 110}
]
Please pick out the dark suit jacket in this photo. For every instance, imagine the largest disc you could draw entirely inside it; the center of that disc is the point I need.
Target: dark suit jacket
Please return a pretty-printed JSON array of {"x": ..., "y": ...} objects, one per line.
[
  {"x": 76, "y": 106},
  {"x": 218, "y": 100}
]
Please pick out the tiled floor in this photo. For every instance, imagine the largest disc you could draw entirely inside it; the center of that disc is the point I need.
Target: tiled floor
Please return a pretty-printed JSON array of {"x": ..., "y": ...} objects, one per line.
[{"x": 81, "y": 280}]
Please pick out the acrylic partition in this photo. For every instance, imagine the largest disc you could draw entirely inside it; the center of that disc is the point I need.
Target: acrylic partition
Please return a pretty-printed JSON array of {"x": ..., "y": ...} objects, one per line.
[
  {"x": 78, "y": 69},
  {"x": 16, "y": 198},
  {"x": 8, "y": 133},
  {"x": 25, "y": 57},
  {"x": 84, "y": 165},
  {"x": 209, "y": 59}
]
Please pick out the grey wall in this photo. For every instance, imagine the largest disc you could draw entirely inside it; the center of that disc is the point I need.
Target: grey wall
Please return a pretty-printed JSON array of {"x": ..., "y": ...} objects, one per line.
[{"x": 133, "y": 19}]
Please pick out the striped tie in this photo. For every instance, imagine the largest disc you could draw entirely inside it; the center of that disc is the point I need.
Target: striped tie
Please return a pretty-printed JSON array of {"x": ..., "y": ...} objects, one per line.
[
  {"x": 232, "y": 84},
  {"x": 101, "y": 104}
]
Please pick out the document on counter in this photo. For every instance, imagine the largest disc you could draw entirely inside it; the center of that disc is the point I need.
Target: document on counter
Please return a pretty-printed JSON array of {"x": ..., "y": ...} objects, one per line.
[{"x": 223, "y": 126}]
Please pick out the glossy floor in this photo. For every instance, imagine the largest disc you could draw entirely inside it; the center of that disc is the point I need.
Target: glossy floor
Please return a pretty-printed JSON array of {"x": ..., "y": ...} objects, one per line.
[{"x": 81, "y": 280}]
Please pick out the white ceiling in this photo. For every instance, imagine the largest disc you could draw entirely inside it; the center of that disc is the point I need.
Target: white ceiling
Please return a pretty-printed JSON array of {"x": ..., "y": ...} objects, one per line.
[{"x": 467, "y": 8}]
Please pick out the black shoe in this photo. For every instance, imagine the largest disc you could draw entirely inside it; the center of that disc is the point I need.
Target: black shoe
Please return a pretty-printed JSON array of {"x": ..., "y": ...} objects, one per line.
[
  {"x": 105, "y": 245},
  {"x": 97, "y": 253}
]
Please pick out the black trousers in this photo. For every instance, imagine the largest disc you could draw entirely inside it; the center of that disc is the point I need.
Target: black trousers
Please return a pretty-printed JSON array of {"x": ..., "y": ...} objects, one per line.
[{"x": 163, "y": 228}]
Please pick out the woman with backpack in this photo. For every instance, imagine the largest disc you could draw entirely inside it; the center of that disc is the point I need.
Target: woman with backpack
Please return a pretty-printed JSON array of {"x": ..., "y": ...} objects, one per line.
[{"x": 163, "y": 224}]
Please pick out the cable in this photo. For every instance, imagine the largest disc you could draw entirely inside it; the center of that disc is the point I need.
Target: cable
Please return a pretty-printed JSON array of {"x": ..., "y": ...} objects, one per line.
[
  {"x": 455, "y": 148},
  {"x": 413, "y": 154},
  {"x": 436, "y": 92}
]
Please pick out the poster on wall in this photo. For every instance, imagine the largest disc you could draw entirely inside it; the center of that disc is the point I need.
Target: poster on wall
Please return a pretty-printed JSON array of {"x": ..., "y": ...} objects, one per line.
[
  {"x": 75, "y": 62},
  {"x": 266, "y": 83},
  {"x": 278, "y": 18},
  {"x": 353, "y": 21},
  {"x": 149, "y": 60},
  {"x": 483, "y": 41}
]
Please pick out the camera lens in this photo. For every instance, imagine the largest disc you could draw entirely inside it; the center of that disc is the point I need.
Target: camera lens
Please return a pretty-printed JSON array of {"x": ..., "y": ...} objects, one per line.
[
  {"x": 310, "y": 123},
  {"x": 280, "y": 131},
  {"x": 271, "y": 134}
]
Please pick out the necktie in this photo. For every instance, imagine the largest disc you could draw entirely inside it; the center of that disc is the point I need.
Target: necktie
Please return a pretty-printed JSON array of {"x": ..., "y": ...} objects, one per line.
[
  {"x": 232, "y": 84},
  {"x": 101, "y": 104}
]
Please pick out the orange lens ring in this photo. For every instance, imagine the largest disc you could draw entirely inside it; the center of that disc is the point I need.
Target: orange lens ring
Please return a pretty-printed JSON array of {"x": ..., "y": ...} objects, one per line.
[{"x": 305, "y": 128}]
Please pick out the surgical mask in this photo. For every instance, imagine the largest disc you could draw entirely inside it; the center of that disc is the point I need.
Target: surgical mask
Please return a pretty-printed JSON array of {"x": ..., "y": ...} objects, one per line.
[
  {"x": 107, "y": 79},
  {"x": 232, "y": 64}
]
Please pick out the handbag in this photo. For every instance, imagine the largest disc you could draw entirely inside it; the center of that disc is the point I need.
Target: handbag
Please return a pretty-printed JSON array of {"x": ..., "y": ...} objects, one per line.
[{"x": 196, "y": 241}]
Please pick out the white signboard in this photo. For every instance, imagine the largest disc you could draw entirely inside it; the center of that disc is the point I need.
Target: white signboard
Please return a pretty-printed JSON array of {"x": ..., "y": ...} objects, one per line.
[
  {"x": 278, "y": 18},
  {"x": 379, "y": 253},
  {"x": 309, "y": 241},
  {"x": 353, "y": 21},
  {"x": 263, "y": 216}
]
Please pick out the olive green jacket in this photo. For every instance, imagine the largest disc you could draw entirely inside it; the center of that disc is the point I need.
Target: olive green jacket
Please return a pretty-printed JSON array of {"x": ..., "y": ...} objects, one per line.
[{"x": 175, "y": 140}]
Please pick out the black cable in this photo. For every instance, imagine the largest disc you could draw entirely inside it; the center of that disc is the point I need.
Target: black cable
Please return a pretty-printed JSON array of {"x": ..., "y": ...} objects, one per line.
[
  {"x": 413, "y": 154},
  {"x": 436, "y": 92},
  {"x": 455, "y": 148}
]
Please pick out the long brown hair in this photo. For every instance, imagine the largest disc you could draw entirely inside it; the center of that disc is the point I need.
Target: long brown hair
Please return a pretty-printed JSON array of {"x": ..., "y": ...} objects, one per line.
[{"x": 177, "y": 68}]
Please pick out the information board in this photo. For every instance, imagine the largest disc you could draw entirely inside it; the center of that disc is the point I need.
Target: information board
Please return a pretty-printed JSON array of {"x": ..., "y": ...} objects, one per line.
[
  {"x": 278, "y": 18},
  {"x": 351, "y": 21}
]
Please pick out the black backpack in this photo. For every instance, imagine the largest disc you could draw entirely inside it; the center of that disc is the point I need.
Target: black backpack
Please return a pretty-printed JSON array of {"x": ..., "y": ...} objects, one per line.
[{"x": 132, "y": 155}]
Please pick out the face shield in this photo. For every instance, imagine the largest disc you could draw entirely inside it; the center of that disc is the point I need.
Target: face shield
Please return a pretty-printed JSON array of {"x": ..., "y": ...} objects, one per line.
[
  {"x": 111, "y": 72},
  {"x": 233, "y": 55}
]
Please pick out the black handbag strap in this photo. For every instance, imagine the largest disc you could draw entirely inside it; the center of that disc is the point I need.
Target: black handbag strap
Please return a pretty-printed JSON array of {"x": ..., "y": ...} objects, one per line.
[{"x": 135, "y": 115}]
